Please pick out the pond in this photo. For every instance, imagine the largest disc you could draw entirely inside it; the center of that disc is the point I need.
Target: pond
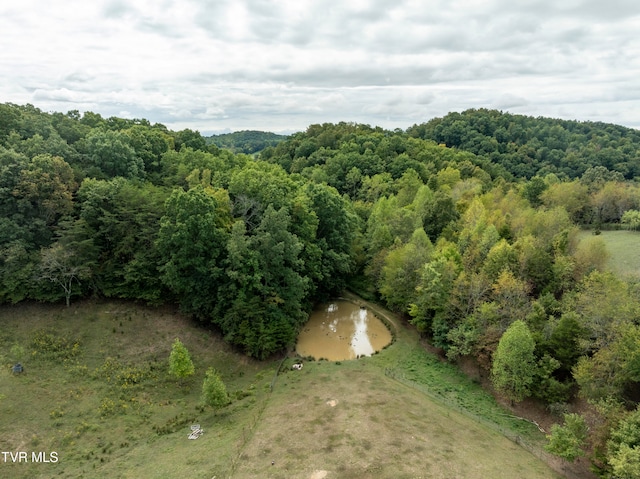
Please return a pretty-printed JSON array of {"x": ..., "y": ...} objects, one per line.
[{"x": 342, "y": 330}]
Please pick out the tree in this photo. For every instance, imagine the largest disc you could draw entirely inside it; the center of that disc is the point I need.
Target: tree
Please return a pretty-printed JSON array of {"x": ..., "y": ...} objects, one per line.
[
  {"x": 433, "y": 292},
  {"x": 631, "y": 218},
  {"x": 514, "y": 363},
  {"x": 591, "y": 255},
  {"x": 110, "y": 154},
  {"x": 61, "y": 265},
  {"x": 511, "y": 297},
  {"x": 614, "y": 369},
  {"x": 260, "y": 305},
  {"x": 564, "y": 342},
  {"x": 214, "y": 392},
  {"x": 47, "y": 183},
  {"x": 337, "y": 226},
  {"x": 180, "y": 363},
  {"x": 623, "y": 448},
  {"x": 533, "y": 189},
  {"x": 568, "y": 441},
  {"x": 572, "y": 196},
  {"x": 191, "y": 241},
  {"x": 402, "y": 269}
]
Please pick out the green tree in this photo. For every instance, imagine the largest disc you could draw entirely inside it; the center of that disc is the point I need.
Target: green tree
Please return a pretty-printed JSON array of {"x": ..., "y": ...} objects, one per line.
[
  {"x": 337, "y": 226},
  {"x": 192, "y": 242},
  {"x": 514, "y": 363},
  {"x": 502, "y": 256},
  {"x": 572, "y": 196},
  {"x": 533, "y": 189},
  {"x": 110, "y": 154},
  {"x": 261, "y": 305},
  {"x": 214, "y": 392},
  {"x": 17, "y": 267},
  {"x": 149, "y": 144},
  {"x": 568, "y": 441},
  {"x": 614, "y": 369},
  {"x": 631, "y": 219},
  {"x": 180, "y": 363},
  {"x": 48, "y": 185},
  {"x": 433, "y": 292},
  {"x": 623, "y": 448},
  {"x": 564, "y": 343},
  {"x": 402, "y": 269}
]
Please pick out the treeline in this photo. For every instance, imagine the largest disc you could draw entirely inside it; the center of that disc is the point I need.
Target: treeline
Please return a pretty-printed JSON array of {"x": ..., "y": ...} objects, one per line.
[
  {"x": 245, "y": 141},
  {"x": 482, "y": 258}
]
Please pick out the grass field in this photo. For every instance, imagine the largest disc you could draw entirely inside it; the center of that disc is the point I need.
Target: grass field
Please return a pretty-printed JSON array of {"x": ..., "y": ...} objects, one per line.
[
  {"x": 96, "y": 392},
  {"x": 624, "y": 250}
]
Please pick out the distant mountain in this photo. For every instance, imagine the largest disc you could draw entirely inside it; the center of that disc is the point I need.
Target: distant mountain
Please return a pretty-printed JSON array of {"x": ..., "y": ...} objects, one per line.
[{"x": 246, "y": 141}]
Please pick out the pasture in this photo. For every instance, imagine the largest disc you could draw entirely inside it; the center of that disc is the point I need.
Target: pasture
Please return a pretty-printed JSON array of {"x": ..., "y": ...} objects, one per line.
[
  {"x": 623, "y": 247},
  {"x": 96, "y": 391}
]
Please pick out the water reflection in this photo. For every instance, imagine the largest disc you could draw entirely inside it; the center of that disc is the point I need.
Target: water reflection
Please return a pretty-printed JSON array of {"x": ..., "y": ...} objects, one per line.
[
  {"x": 342, "y": 330},
  {"x": 360, "y": 343}
]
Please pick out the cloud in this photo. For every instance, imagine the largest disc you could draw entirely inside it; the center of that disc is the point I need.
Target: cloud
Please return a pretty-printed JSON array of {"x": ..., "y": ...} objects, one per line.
[{"x": 284, "y": 64}]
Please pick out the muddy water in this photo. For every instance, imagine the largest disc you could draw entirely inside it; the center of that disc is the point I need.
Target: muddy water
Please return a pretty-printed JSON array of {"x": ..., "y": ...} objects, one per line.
[{"x": 342, "y": 330}]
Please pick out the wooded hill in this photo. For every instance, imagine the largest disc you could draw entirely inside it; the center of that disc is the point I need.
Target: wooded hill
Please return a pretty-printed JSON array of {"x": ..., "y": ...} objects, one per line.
[
  {"x": 466, "y": 225},
  {"x": 245, "y": 141}
]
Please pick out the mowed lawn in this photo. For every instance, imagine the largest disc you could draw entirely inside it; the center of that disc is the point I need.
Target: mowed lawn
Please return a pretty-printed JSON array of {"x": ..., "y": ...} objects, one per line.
[
  {"x": 97, "y": 393},
  {"x": 624, "y": 250}
]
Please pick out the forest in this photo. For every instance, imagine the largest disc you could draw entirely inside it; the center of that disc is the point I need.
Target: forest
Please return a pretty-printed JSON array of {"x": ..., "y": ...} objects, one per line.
[
  {"x": 245, "y": 141},
  {"x": 466, "y": 225}
]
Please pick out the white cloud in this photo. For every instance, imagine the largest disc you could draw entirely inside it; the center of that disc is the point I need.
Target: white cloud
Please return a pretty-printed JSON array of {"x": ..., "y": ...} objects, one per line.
[{"x": 284, "y": 64}]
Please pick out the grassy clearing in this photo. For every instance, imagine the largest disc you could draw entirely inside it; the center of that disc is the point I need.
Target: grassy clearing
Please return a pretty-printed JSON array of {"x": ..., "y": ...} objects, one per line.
[
  {"x": 96, "y": 390},
  {"x": 624, "y": 250}
]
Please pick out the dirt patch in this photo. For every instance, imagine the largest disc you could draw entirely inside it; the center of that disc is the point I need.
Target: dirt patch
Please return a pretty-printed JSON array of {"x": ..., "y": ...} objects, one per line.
[{"x": 382, "y": 429}]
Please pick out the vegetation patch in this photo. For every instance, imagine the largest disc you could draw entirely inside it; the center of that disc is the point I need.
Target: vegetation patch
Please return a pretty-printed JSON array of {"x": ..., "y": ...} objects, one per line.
[{"x": 50, "y": 345}]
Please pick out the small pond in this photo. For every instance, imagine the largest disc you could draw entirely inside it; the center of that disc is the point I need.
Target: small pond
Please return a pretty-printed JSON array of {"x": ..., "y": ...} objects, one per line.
[{"x": 342, "y": 330}]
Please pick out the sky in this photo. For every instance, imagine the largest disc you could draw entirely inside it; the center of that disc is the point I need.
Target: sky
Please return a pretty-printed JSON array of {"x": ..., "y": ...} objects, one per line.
[{"x": 282, "y": 65}]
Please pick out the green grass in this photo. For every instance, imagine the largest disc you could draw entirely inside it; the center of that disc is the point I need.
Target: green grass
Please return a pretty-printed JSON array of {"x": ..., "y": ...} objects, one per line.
[
  {"x": 624, "y": 250},
  {"x": 96, "y": 391}
]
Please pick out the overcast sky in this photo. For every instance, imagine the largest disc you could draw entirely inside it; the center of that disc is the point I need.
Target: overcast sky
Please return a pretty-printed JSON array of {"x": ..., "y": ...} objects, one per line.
[{"x": 281, "y": 65}]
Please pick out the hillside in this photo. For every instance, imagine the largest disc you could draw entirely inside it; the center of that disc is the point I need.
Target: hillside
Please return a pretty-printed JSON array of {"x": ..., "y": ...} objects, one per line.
[
  {"x": 96, "y": 392},
  {"x": 528, "y": 146},
  {"x": 246, "y": 141}
]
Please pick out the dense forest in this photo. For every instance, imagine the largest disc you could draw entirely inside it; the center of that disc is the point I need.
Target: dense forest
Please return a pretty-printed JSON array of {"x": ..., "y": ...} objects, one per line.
[{"x": 466, "y": 225}]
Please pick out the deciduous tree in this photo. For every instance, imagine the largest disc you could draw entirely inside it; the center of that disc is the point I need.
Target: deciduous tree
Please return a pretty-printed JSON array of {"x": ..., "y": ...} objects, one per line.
[
  {"x": 568, "y": 441},
  {"x": 180, "y": 363},
  {"x": 514, "y": 362},
  {"x": 214, "y": 392}
]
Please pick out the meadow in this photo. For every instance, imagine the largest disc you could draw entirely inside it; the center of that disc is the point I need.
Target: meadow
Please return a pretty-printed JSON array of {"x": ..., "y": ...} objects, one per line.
[
  {"x": 623, "y": 247},
  {"x": 96, "y": 392}
]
